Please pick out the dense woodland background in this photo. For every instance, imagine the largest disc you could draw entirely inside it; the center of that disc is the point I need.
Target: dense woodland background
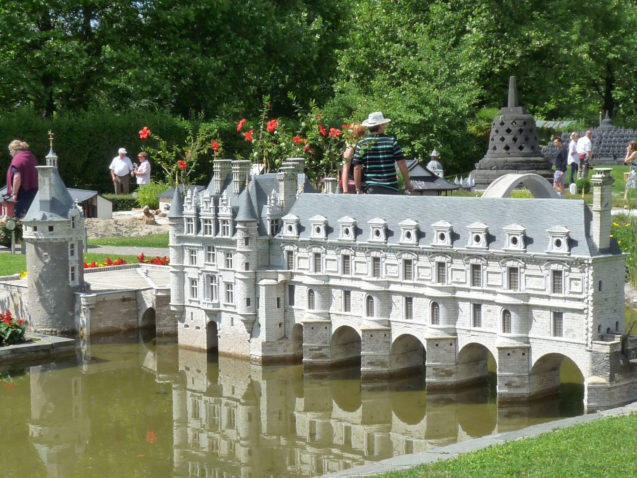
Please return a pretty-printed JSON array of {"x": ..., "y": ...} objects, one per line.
[{"x": 96, "y": 71}]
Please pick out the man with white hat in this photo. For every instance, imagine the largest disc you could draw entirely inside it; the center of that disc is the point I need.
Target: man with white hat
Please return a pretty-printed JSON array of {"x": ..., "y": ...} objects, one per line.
[
  {"x": 121, "y": 167},
  {"x": 375, "y": 160}
]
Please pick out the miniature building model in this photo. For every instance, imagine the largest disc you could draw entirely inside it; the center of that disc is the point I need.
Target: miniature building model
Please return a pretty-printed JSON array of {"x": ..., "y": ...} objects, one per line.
[
  {"x": 513, "y": 145},
  {"x": 271, "y": 273}
]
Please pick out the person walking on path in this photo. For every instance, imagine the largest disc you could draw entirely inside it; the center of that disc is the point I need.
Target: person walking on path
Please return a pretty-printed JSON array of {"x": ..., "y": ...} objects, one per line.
[
  {"x": 630, "y": 178},
  {"x": 121, "y": 168},
  {"x": 585, "y": 154},
  {"x": 375, "y": 160},
  {"x": 142, "y": 171},
  {"x": 573, "y": 160},
  {"x": 560, "y": 166},
  {"x": 22, "y": 177}
]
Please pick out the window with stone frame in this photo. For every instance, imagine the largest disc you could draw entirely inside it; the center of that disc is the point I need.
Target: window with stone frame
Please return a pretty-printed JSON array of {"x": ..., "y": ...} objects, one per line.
[
  {"x": 408, "y": 269},
  {"x": 506, "y": 321},
  {"x": 346, "y": 264},
  {"x": 476, "y": 275},
  {"x": 212, "y": 288},
  {"x": 229, "y": 286},
  {"x": 190, "y": 225},
  {"x": 369, "y": 306},
  {"x": 557, "y": 324},
  {"x": 513, "y": 278},
  {"x": 310, "y": 299},
  {"x": 435, "y": 313},
  {"x": 225, "y": 227},
  {"x": 275, "y": 226},
  {"x": 210, "y": 254},
  {"x": 72, "y": 274},
  {"x": 289, "y": 260},
  {"x": 228, "y": 261},
  {"x": 347, "y": 301},
  {"x": 318, "y": 258},
  {"x": 409, "y": 308},
  {"x": 194, "y": 289},
  {"x": 207, "y": 227},
  {"x": 557, "y": 281},
  {"x": 441, "y": 272},
  {"x": 291, "y": 292},
  {"x": 72, "y": 249},
  {"x": 192, "y": 257},
  {"x": 376, "y": 267},
  {"x": 476, "y": 315}
]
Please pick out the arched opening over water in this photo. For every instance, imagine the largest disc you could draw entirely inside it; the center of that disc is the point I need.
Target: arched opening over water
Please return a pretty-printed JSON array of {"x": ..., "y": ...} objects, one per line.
[
  {"x": 474, "y": 364},
  {"x": 211, "y": 336},
  {"x": 556, "y": 373},
  {"x": 147, "y": 325},
  {"x": 297, "y": 342},
  {"x": 345, "y": 347},
  {"x": 407, "y": 356}
]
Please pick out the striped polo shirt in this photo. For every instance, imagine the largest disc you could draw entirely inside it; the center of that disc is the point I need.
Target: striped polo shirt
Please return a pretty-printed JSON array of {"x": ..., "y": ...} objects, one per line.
[{"x": 378, "y": 155}]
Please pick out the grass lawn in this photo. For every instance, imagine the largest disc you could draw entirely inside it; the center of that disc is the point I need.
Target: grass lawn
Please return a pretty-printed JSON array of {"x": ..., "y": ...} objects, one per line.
[
  {"x": 17, "y": 263},
  {"x": 155, "y": 240},
  {"x": 606, "y": 447}
]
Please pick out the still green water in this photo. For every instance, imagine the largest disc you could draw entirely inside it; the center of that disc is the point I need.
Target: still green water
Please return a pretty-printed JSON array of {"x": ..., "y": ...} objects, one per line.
[{"x": 151, "y": 409}]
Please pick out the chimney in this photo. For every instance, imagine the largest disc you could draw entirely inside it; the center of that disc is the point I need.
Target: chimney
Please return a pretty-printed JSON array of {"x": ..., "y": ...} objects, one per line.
[
  {"x": 220, "y": 169},
  {"x": 240, "y": 171},
  {"x": 45, "y": 188},
  {"x": 287, "y": 177},
  {"x": 602, "y": 203}
]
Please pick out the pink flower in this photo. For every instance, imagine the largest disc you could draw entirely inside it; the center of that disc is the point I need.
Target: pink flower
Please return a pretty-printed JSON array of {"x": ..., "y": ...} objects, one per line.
[
  {"x": 240, "y": 124},
  {"x": 144, "y": 132}
]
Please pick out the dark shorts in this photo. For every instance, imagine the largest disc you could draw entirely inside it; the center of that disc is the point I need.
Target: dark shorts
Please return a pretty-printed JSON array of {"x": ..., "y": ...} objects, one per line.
[
  {"x": 25, "y": 198},
  {"x": 376, "y": 189}
]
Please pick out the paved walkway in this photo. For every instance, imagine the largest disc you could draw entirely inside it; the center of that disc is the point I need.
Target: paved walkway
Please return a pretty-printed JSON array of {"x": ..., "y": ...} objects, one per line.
[{"x": 449, "y": 452}]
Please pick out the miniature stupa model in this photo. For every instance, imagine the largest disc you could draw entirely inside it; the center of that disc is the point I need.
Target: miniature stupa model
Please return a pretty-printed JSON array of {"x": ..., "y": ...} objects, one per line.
[{"x": 513, "y": 145}]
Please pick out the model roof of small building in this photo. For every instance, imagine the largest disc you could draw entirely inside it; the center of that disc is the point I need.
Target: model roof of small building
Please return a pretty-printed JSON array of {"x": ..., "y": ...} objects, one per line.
[
  {"x": 78, "y": 195},
  {"x": 537, "y": 216},
  {"x": 424, "y": 179},
  {"x": 55, "y": 209}
]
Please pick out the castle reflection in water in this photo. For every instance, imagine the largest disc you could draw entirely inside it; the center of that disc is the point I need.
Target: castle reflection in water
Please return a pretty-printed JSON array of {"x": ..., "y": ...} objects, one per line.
[{"x": 233, "y": 419}]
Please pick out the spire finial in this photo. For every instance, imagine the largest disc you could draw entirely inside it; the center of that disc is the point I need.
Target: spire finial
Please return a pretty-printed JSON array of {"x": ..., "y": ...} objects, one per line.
[
  {"x": 513, "y": 93},
  {"x": 51, "y": 138}
]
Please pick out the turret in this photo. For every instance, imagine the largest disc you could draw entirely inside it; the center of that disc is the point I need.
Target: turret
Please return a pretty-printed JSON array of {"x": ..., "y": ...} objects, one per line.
[{"x": 602, "y": 203}]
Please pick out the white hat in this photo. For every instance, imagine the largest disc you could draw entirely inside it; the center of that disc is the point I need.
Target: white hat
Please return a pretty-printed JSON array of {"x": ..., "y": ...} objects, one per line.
[
  {"x": 374, "y": 119},
  {"x": 121, "y": 151}
]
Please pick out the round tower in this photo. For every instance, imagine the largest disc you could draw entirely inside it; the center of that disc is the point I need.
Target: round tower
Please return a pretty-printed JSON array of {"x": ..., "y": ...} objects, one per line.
[{"x": 246, "y": 260}]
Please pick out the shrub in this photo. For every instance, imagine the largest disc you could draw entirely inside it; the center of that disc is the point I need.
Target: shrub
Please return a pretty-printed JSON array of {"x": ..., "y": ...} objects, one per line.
[
  {"x": 148, "y": 194},
  {"x": 624, "y": 230},
  {"x": 122, "y": 202},
  {"x": 584, "y": 184},
  {"x": 11, "y": 331}
]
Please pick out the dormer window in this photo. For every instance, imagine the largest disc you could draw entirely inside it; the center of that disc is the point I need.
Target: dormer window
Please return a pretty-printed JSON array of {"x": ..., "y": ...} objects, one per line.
[
  {"x": 477, "y": 236},
  {"x": 274, "y": 225},
  {"x": 319, "y": 227},
  {"x": 225, "y": 228},
  {"x": 442, "y": 234},
  {"x": 290, "y": 226},
  {"x": 408, "y": 231},
  {"x": 514, "y": 238},
  {"x": 558, "y": 240},
  {"x": 190, "y": 225},
  {"x": 206, "y": 226},
  {"x": 347, "y": 229},
  {"x": 377, "y": 230}
]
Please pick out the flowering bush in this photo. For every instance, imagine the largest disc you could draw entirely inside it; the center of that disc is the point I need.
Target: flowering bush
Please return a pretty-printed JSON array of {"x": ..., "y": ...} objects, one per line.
[
  {"x": 118, "y": 262},
  {"x": 11, "y": 330},
  {"x": 179, "y": 161},
  {"x": 158, "y": 261}
]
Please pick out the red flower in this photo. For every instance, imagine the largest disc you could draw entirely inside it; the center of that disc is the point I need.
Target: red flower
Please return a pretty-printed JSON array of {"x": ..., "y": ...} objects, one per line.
[
  {"x": 151, "y": 437},
  {"x": 141, "y": 257},
  {"x": 248, "y": 135},
  {"x": 20, "y": 322},
  {"x": 144, "y": 133},
  {"x": 335, "y": 132},
  {"x": 308, "y": 150},
  {"x": 272, "y": 125},
  {"x": 181, "y": 164},
  {"x": 215, "y": 145},
  {"x": 322, "y": 130},
  {"x": 240, "y": 124},
  {"x": 298, "y": 140}
]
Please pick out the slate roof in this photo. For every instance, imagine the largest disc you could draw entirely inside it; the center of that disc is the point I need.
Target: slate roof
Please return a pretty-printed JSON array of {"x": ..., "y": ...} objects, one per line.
[
  {"x": 423, "y": 179},
  {"x": 79, "y": 195},
  {"x": 537, "y": 216},
  {"x": 55, "y": 209}
]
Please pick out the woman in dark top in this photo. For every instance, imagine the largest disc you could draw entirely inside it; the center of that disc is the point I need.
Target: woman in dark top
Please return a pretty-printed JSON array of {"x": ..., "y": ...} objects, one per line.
[{"x": 22, "y": 177}]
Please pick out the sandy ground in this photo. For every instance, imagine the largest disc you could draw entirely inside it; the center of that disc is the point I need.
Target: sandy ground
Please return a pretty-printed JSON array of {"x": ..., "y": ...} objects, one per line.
[{"x": 125, "y": 223}]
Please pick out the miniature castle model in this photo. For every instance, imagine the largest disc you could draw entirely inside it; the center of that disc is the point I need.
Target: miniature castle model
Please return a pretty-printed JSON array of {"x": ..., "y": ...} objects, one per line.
[
  {"x": 274, "y": 273},
  {"x": 513, "y": 145}
]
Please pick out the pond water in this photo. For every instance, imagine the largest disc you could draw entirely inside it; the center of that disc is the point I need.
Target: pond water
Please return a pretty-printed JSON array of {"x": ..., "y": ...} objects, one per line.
[{"x": 146, "y": 408}]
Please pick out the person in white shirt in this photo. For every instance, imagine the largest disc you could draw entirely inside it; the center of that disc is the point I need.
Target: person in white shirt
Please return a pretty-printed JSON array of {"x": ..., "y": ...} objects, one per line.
[
  {"x": 573, "y": 160},
  {"x": 121, "y": 168},
  {"x": 142, "y": 171},
  {"x": 585, "y": 154}
]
